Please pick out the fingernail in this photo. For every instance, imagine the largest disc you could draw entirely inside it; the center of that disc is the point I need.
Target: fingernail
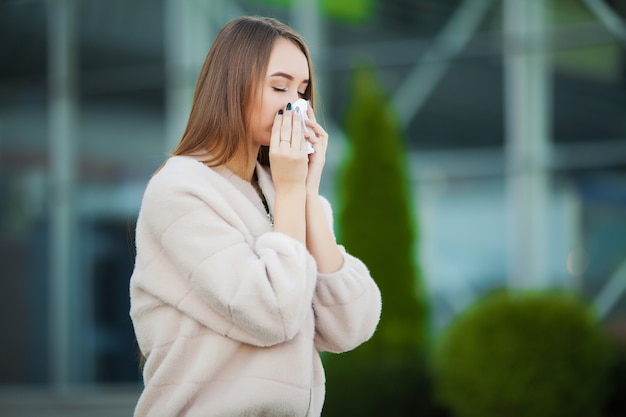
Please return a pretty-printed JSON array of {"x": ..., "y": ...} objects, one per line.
[
  {"x": 288, "y": 106},
  {"x": 280, "y": 111}
]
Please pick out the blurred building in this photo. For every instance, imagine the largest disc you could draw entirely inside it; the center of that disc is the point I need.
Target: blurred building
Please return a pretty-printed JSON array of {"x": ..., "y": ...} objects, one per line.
[{"x": 515, "y": 113}]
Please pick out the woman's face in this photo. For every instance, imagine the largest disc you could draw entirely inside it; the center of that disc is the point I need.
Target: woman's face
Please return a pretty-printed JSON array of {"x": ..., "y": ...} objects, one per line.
[{"x": 286, "y": 81}]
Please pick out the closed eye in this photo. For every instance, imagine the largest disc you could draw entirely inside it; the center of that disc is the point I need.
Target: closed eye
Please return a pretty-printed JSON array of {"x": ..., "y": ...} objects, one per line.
[{"x": 282, "y": 90}]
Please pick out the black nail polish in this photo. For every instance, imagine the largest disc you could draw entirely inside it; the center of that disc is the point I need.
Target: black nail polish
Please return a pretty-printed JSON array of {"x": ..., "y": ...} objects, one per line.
[
  {"x": 280, "y": 111},
  {"x": 288, "y": 106}
]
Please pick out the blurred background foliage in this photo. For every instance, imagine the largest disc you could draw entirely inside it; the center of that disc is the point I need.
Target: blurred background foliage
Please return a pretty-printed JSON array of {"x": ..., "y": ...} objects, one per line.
[
  {"x": 525, "y": 354},
  {"x": 476, "y": 145},
  {"x": 376, "y": 223}
]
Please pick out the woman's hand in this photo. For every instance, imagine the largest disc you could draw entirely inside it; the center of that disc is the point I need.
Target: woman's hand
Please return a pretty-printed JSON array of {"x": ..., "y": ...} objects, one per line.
[
  {"x": 319, "y": 139},
  {"x": 288, "y": 159},
  {"x": 299, "y": 211},
  {"x": 288, "y": 164}
]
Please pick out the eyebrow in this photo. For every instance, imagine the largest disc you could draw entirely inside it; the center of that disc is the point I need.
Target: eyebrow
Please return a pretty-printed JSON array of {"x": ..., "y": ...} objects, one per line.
[{"x": 287, "y": 76}]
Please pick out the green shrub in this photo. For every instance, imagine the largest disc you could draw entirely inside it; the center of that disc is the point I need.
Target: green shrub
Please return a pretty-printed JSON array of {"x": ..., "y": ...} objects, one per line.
[
  {"x": 376, "y": 217},
  {"x": 376, "y": 222},
  {"x": 523, "y": 355}
]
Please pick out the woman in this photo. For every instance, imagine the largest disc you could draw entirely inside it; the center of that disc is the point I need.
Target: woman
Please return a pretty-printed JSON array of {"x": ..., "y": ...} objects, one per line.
[{"x": 238, "y": 281}]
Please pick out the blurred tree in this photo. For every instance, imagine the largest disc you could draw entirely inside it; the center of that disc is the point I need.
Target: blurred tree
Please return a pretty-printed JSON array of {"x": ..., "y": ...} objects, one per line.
[
  {"x": 388, "y": 374},
  {"x": 519, "y": 354}
]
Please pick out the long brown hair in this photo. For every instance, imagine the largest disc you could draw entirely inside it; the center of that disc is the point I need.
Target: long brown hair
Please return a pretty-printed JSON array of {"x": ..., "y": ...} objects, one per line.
[{"x": 230, "y": 80}]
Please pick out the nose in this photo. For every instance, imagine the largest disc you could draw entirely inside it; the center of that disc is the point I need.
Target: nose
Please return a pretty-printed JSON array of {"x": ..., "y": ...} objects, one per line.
[{"x": 293, "y": 97}]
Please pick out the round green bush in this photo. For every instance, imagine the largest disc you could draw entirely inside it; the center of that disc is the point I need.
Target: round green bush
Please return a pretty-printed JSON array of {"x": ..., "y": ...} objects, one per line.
[{"x": 523, "y": 355}]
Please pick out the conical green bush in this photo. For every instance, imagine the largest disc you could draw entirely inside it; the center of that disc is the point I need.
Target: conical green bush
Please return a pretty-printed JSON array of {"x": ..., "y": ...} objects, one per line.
[{"x": 388, "y": 374}]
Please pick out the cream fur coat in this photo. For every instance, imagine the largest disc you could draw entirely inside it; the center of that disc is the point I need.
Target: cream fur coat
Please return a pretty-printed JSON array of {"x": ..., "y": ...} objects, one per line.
[{"x": 231, "y": 315}]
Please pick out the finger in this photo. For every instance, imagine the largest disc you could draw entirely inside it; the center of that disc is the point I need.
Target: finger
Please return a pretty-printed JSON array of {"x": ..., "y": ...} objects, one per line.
[
  {"x": 297, "y": 134},
  {"x": 310, "y": 124},
  {"x": 285, "y": 130},
  {"x": 320, "y": 138},
  {"x": 275, "y": 137},
  {"x": 315, "y": 128},
  {"x": 310, "y": 113}
]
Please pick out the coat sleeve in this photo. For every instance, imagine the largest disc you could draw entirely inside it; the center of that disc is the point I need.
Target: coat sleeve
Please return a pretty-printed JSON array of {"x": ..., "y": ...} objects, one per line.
[
  {"x": 347, "y": 307},
  {"x": 347, "y": 304},
  {"x": 255, "y": 292}
]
